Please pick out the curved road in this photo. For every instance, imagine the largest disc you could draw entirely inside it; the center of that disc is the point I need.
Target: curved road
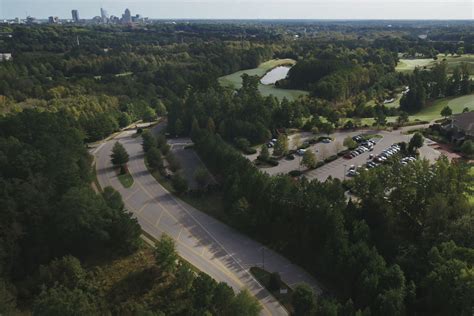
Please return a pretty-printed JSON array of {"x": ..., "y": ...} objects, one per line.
[{"x": 211, "y": 246}]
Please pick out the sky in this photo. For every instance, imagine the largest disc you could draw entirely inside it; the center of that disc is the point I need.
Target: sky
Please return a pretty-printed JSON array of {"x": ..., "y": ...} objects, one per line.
[{"x": 246, "y": 9}]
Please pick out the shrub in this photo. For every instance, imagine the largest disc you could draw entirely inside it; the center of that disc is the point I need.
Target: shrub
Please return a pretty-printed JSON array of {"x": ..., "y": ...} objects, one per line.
[
  {"x": 319, "y": 164},
  {"x": 330, "y": 158},
  {"x": 295, "y": 173},
  {"x": 180, "y": 185},
  {"x": 272, "y": 161}
]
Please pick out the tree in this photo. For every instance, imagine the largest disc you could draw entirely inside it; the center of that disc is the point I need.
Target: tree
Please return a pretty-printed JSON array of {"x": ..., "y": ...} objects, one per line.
[
  {"x": 202, "y": 177},
  {"x": 154, "y": 159},
  {"x": 211, "y": 126},
  {"x": 178, "y": 127},
  {"x": 7, "y": 299},
  {"x": 303, "y": 300},
  {"x": 467, "y": 148},
  {"x": 165, "y": 254},
  {"x": 149, "y": 115},
  {"x": 402, "y": 118},
  {"x": 60, "y": 301},
  {"x": 160, "y": 108},
  {"x": 380, "y": 118},
  {"x": 180, "y": 185},
  {"x": 124, "y": 120},
  {"x": 67, "y": 272},
  {"x": 349, "y": 142},
  {"x": 119, "y": 155},
  {"x": 446, "y": 112},
  {"x": 264, "y": 153},
  {"x": 297, "y": 140},
  {"x": 415, "y": 142},
  {"x": 309, "y": 159},
  {"x": 148, "y": 141},
  {"x": 465, "y": 110},
  {"x": 245, "y": 304},
  {"x": 281, "y": 146}
]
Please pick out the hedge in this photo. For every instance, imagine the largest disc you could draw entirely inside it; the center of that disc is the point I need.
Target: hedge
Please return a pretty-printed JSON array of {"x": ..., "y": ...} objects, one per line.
[{"x": 330, "y": 158}]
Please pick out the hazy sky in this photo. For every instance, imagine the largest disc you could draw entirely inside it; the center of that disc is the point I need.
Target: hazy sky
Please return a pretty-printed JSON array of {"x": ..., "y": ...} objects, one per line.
[{"x": 247, "y": 9}]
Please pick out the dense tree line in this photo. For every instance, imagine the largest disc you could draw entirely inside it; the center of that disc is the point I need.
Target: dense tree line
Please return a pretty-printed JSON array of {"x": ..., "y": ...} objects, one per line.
[
  {"x": 356, "y": 245},
  {"x": 435, "y": 83},
  {"x": 48, "y": 206}
]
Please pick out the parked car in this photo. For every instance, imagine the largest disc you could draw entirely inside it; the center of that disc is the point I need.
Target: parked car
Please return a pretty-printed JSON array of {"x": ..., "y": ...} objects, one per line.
[{"x": 300, "y": 152}]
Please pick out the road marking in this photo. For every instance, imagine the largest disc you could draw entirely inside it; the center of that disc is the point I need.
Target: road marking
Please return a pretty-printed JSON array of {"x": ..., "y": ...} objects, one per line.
[
  {"x": 142, "y": 208},
  {"x": 131, "y": 194},
  {"x": 215, "y": 263},
  {"x": 159, "y": 219}
]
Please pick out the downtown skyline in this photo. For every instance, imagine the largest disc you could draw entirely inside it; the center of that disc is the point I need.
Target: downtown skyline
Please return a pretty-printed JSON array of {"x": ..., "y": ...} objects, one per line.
[{"x": 250, "y": 9}]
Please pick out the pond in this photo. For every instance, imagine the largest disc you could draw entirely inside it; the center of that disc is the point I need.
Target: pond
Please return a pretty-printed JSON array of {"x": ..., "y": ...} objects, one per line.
[{"x": 275, "y": 74}]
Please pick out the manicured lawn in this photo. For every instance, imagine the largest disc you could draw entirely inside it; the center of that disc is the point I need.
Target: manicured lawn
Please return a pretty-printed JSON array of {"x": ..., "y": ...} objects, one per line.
[
  {"x": 263, "y": 277},
  {"x": 126, "y": 180},
  {"x": 408, "y": 65},
  {"x": 235, "y": 81},
  {"x": 432, "y": 112}
]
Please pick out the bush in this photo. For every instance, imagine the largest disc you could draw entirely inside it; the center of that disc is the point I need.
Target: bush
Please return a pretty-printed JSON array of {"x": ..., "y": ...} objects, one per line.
[
  {"x": 343, "y": 152},
  {"x": 319, "y": 164},
  {"x": 272, "y": 161},
  {"x": 330, "y": 158},
  {"x": 180, "y": 185},
  {"x": 249, "y": 151},
  {"x": 295, "y": 173}
]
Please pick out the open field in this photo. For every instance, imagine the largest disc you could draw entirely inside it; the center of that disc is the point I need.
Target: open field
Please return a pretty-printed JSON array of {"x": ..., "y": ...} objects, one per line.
[
  {"x": 408, "y": 65},
  {"x": 235, "y": 81},
  {"x": 432, "y": 112}
]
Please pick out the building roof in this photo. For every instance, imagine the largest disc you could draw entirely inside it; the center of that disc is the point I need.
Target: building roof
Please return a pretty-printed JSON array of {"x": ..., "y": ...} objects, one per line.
[{"x": 464, "y": 122}]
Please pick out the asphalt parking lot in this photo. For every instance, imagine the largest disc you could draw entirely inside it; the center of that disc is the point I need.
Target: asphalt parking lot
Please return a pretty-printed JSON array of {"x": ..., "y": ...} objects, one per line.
[{"x": 339, "y": 167}]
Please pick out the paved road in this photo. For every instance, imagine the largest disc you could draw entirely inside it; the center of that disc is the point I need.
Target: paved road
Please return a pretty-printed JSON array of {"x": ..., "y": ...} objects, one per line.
[{"x": 211, "y": 246}]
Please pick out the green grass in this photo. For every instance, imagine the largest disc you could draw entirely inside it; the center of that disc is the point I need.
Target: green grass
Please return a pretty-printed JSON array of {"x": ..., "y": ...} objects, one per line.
[
  {"x": 126, "y": 179},
  {"x": 235, "y": 81},
  {"x": 408, "y": 65},
  {"x": 432, "y": 112},
  {"x": 263, "y": 277}
]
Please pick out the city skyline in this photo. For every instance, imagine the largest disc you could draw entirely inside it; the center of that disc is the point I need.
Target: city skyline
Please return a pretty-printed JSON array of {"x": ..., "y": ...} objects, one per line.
[{"x": 250, "y": 9}]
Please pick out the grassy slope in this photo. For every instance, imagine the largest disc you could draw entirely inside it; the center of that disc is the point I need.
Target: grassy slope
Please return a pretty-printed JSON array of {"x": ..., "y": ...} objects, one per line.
[
  {"x": 234, "y": 80},
  {"x": 408, "y": 65},
  {"x": 457, "y": 104}
]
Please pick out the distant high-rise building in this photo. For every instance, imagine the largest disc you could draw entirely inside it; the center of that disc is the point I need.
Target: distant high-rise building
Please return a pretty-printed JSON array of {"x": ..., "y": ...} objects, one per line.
[
  {"x": 127, "y": 17},
  {"x": 75, "y": 15},
  {"x": 53, "y": 19},
  {"x": 104, "y": 15}
]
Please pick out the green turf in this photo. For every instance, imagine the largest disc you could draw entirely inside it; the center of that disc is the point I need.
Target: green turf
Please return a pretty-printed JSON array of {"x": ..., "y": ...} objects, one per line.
[
  {"x": 126, "y": 180},
  {"x": 432, "y": 112},
  {"x": 408, "y": 65},
  {"x": 235, "y": 81}
]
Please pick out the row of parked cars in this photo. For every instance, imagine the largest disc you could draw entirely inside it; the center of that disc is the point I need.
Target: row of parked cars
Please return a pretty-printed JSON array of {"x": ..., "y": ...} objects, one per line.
[
  {"x": 387, "y": 153},
  {"x": 362, "y": 148},
  {"x": 375, "y": 161}
]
